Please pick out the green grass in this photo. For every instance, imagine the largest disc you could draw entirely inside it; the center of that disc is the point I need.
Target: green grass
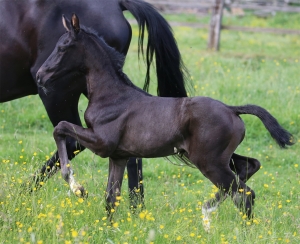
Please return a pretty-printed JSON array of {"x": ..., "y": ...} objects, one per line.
[{"x": 251, "y": 68}]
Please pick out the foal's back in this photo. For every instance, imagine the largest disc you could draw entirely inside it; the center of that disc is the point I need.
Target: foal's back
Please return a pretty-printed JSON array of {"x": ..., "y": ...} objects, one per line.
[{"x": 154, "y": 126}]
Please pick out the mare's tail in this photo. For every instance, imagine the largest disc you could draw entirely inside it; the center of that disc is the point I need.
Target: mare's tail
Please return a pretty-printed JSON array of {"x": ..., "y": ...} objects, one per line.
[
  {"x": 170, "y": 69},
  {"x": 281, "y": 136}
]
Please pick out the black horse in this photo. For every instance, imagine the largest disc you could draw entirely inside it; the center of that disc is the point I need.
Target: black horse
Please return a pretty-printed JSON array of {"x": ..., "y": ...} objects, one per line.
[
  {"x": 126, "y": 122},
  {"x": 25, "y": 44}
]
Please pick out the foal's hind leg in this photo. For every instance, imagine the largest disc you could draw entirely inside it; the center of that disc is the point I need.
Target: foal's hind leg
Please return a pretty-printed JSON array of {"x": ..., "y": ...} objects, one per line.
[
  {"x": 114, "y": 184},
  {"x": 222, "y": 177},
  {"x": 244, "y": 168}
]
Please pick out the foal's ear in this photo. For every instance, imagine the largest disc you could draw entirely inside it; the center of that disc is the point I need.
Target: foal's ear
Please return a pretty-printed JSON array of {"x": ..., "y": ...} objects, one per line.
[
  {"x": 66, "y": 23},
  {"x": 75, "y": 23}
]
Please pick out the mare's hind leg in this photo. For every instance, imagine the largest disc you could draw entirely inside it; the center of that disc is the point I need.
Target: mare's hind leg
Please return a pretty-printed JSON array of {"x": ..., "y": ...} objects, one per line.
[
  {"x": 114, "y": 184},
  {"x": 244, "y": 168},
  {"x": 135, "y": 182}
]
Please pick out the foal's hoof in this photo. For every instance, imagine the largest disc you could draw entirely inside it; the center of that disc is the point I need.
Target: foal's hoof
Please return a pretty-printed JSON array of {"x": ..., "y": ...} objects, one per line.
[
  {"x": 206, "y": 211},
  {"x": 206, "y": 225},
  {"x": 79, "y": 191}
]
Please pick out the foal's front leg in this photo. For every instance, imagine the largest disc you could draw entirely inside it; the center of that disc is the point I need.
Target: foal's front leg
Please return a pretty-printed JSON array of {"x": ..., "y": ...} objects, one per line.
[
  {"x": 85, "y": 136},
  {"x": 114, "y": 184}
]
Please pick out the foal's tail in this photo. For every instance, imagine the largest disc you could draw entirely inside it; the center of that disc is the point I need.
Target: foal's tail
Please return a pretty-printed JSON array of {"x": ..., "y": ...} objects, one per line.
[
  {"x": 281, "y": 136},
  {"x": 170, "y": 69}
]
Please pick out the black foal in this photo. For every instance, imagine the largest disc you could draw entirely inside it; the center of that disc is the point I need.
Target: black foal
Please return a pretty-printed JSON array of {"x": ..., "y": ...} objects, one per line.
[{"x": 123, "y": 121}]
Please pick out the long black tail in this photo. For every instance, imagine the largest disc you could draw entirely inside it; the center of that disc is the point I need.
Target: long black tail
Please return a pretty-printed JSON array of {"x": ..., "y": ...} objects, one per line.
[
  {"x": 170, "y": 70},
  {"x": 281, "y": 136}
]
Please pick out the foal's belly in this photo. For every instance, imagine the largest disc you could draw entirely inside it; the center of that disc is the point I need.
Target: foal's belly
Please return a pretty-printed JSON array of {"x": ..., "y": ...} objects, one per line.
[
  {"x": 150, "y": 151},
  {"x": 154, "y": 129}
]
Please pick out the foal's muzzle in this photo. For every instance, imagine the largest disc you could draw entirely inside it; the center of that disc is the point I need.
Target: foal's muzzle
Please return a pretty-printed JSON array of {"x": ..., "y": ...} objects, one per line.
[{"x": 42, "y": 77}]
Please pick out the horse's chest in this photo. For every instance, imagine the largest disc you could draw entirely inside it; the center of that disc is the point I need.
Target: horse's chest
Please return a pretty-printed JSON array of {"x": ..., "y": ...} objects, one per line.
[{"x": 95, "y": 117}]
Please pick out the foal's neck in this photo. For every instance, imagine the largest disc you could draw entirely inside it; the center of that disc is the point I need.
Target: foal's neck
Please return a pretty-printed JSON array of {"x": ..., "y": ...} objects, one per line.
[{"x": 102, "y": 77}]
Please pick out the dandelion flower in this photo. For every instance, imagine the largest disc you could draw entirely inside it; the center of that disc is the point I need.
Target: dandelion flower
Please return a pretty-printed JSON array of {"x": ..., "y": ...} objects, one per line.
[
  {"x": 74, "y": 233},
  {"x": 142, "y": 215},
  {"x": 178, "y": 238}
]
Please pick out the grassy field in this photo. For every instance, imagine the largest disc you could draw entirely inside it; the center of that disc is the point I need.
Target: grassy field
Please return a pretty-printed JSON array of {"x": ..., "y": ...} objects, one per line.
[{"x": 262, "y": 69}]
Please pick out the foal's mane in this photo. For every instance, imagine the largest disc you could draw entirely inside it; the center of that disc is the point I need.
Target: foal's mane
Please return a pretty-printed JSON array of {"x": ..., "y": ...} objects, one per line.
[{"x": 117, "y": 58}]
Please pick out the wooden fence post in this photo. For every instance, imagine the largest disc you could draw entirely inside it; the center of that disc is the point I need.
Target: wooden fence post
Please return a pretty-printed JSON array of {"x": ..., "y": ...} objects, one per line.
[{"x": 215, "y": 25}]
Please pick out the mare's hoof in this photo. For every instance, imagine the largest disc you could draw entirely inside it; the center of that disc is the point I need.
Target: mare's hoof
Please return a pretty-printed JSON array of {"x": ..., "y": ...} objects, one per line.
[
  {"x": 137, "y": 208},
  {"x": 32, "y": 184},
  {"x": 136, "y": 201},
  {"x": 110, "y": 212}
]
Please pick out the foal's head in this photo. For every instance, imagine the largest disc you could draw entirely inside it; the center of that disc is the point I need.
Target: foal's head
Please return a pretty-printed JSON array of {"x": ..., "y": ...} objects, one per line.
[
  {"x": 78, "y": 52},
  {"x": 67, "y": 56}
]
